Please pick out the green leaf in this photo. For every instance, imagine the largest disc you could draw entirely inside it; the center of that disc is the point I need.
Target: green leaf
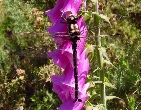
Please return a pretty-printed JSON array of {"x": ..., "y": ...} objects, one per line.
[
  {"x": 86, "y": 16},
  {"x": 90, "y": 48},
  {"x": 110, "y": 97},
  {"x": 92, "y": 97},
  {"x": 108, "y": 62},
  {"x": 104, "y": 35},
  {"x": 109, "y": 85},
  {"x": 45, "y": 99},
  {"x": 103, "y": 51},
  {"x": 39, "y": 107},
  {"x": 94, "y": 1},
  {"x": 104, "y": 17},
  {"x": 33, "y": 99},
  {"x": 89, "y": 108},
  {"x": 97, "y": 82}
]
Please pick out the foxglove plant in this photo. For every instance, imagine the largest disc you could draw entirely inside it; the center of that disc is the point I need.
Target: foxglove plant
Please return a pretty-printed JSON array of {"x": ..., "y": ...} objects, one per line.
[{"x": 64, "y": 85}]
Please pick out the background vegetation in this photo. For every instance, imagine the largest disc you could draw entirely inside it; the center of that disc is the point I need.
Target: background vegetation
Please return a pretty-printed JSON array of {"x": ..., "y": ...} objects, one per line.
[{"x": 25, "y": 70}]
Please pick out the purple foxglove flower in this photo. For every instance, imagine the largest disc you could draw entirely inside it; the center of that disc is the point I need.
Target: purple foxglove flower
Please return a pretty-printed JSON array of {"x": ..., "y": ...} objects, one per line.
[
  {"x": 64, "y": 85},
  {"x": 70, "y": 105},
  {"x": 62, "y": 57},
  {"x": 63, "y": 6}
]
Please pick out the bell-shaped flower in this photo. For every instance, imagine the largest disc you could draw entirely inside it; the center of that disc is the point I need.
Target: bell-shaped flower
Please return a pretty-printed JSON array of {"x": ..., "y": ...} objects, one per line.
[
  {"x": 64, "y": 85},
  {"x": 70, "y": 105},
  {"x": 63, "y": 6}
]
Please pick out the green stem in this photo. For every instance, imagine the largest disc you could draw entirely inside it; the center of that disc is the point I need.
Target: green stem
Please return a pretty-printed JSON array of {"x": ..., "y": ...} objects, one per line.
[{"x": 99, "y": 55}]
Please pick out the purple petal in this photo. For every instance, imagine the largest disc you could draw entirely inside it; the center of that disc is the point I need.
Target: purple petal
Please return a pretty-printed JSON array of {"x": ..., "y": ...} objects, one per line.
[
  {"x": 58, "y": 27},
  {"x": 83, "y": 34},
  {"x": 62, "y": 56},
  {"x": 83, "y": 68},
  {"x": 70, "y": 105},
  {"x": 58, "y": 58},
  {"x": 55, "y": 13},
  {"x": 66, "y": 80},
  {"x": 72, "y": 5},
  {"x": 63, "y": 82},
  {"x": 63, "y": 6}
]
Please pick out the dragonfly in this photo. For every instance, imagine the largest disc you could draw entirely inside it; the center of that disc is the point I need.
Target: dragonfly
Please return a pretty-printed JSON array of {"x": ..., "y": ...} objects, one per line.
[{"x": 73, "y": 33}]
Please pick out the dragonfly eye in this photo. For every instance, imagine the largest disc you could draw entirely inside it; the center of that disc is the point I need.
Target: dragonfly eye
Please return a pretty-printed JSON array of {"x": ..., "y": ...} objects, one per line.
[{"x": 71, "y": 17}]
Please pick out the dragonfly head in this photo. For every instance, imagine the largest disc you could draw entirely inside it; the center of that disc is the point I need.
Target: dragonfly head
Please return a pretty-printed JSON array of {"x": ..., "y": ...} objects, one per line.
[{"x": 71, "y": 17}]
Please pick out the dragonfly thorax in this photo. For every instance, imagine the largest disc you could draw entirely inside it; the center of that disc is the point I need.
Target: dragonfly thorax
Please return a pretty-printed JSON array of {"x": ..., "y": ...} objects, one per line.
[{"x": 74, "y": 32}]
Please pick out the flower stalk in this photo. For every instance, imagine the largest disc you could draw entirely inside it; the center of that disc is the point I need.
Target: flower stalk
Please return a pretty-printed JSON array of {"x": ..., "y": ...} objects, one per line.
[
  {"x": 99, "y": 54},
  {"x": 70, "y": 55}
]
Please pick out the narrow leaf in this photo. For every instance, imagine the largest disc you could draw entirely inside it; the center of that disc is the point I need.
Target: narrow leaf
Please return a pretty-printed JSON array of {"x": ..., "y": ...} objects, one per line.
[
  {"x": 33, "y": 100},
  {"x": 109, "y": 85},
  {"x": 110, "y": 97},
  {"x": 104, "y": 18},
  {"x": 103, "y": 50},
  {"x": 94, "y": 1}
]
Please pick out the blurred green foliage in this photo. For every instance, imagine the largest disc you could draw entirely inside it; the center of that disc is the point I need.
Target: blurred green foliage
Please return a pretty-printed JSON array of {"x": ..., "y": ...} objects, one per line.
[
  {"x": 25, "y": 70},
  {"x": 123, "y": 48}
]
